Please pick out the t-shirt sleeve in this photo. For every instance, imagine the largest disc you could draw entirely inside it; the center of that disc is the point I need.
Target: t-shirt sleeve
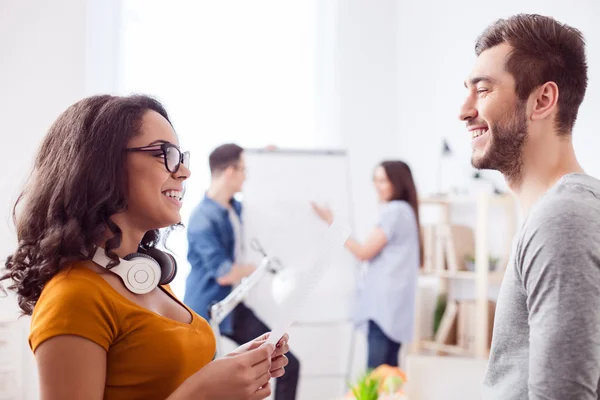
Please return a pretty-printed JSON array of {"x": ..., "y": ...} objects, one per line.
[
  {"x": 560, "y": 269},
  {"x": 72, "y": 305},
  {"x": 395, "y": 217}
]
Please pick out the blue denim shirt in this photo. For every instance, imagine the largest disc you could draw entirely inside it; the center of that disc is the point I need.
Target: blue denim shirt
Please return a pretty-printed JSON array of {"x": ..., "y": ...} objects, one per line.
[{"x": 211, "y": 246}]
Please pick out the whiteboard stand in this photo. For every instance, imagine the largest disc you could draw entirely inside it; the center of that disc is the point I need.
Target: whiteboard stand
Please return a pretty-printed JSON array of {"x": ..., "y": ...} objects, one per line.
[{"x": 219, "y": 311}]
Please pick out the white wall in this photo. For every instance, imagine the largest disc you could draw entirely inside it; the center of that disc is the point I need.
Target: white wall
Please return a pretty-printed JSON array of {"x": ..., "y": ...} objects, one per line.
[{"x": 367, "y": 77}]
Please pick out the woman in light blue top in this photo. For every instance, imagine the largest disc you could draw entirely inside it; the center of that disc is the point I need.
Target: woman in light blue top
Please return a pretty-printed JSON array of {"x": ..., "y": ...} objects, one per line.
[{"x": 393, "y": 250}]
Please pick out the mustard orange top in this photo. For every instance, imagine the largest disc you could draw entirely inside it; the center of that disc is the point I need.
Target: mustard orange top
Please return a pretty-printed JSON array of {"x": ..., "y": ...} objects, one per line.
[{"x": 148, "y": 355}]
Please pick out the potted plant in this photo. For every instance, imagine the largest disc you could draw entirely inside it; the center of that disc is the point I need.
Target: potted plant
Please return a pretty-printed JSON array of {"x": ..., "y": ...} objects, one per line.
[
  {"x": 440, "y": 308},
  {"x": 366, "y": 388},
  {"x": 383, "y": 383},
  {"x": 470, "y": 263}
]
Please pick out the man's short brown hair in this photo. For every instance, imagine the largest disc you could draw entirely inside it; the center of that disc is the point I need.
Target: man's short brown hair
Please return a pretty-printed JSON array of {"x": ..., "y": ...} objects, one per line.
[
  {"x": 544, "y": 50},
  {"x": 224, "y": 156}
]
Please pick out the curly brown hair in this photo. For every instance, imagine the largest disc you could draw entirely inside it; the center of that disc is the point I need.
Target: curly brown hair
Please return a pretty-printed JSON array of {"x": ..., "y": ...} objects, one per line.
[{"x": 77, "y": 183}]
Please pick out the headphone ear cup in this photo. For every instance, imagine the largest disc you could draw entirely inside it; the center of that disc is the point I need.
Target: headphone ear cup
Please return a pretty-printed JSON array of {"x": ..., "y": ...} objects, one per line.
[
  {"x": 168, "y": 265},
  {"x": 141, "y": 274}
]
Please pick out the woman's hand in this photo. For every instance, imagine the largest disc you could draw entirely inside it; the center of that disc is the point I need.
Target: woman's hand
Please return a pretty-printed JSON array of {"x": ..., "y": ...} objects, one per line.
[
  {"x": 278, "y": 358},
  {"x": 323, "y": 212},
  {"x": 237, "y": 376}
]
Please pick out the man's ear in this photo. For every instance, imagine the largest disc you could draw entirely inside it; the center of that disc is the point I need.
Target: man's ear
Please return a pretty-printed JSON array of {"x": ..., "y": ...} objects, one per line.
[
  {"x": 229, "y": 170},
  {"x": 545, "y": 101}
]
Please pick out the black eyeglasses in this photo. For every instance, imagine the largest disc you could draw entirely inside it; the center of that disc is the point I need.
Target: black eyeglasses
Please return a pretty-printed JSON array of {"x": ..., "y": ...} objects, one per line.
[{"x": 171, "y": 154}]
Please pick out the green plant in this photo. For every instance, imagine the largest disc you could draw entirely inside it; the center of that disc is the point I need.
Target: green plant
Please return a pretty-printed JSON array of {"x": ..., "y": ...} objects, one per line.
[
  {"x": 470, "y": 262},
  {"x": 392, "y": 384},
  {"x": 492, "y": 260},
  {"x": 366, "y": 387},
  {"x": 440, "y": 308}
]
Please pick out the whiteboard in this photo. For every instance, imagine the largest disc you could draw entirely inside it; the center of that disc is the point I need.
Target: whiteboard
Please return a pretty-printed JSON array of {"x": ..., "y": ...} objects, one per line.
[{"x": 276, "y": 198}]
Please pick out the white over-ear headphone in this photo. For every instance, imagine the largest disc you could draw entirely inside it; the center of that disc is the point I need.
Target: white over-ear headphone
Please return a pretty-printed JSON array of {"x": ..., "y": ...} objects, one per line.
[{"x": 141, "y": 272}]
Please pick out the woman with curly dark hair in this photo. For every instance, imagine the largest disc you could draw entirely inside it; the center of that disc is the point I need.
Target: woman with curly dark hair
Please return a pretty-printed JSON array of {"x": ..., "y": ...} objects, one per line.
[{"x": 105, "y": 324}]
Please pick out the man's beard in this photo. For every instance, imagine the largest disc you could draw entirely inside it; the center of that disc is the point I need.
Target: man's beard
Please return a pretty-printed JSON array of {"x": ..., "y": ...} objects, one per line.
[{"x": 505, "y": 149}]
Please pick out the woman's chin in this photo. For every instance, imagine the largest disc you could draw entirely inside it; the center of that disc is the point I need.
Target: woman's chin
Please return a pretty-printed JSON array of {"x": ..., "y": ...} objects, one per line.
[
  {"x": 174, "y": 221},
  {"x": 170, "y": 220}
]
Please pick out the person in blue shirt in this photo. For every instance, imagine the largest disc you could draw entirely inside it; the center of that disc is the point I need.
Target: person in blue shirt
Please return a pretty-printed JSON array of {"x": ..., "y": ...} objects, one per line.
[
  {"x": 393, "y": 252},
  {"x": 216, "y": 254}
]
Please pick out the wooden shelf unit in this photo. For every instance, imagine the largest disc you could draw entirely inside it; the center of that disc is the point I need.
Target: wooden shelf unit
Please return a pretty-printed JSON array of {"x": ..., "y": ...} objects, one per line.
[
  {"x": 444, "y": 348},
  {"x": 493, "y": 277},
  {"x": 481, "y": 276}
]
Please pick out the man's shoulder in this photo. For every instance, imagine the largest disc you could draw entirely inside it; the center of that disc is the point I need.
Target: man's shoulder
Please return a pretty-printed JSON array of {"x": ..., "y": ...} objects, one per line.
[
  {"x": 577, "y": 189},
  {"x": 202, "y": 214},
  {"x": 562, "y": 230},
  {"x": 571, "y": 207},
  {"x": 201, "y": 209}
]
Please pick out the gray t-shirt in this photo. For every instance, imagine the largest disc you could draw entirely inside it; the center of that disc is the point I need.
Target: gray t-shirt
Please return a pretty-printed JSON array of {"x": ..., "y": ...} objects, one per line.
[{"x": 546, "y": 341}]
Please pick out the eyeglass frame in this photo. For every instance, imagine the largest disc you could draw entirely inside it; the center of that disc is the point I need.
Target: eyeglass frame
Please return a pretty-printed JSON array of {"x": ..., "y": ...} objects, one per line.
[{"x": 164, "y": 148}]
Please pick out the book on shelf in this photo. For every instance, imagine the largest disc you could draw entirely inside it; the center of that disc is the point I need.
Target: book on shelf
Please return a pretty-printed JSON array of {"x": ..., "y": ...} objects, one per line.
[
  {"x": 446, "y": 247},
  {"x": 467, "y": 324},
  {"x": 459, "y": 325},
  {"x": 446, "y": 333}
]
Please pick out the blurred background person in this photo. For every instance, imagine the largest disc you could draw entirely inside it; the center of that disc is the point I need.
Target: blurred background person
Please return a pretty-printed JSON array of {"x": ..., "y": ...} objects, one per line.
[
  {"x": 216, "y": 255},
  {"x": 393, "y": 252}
]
